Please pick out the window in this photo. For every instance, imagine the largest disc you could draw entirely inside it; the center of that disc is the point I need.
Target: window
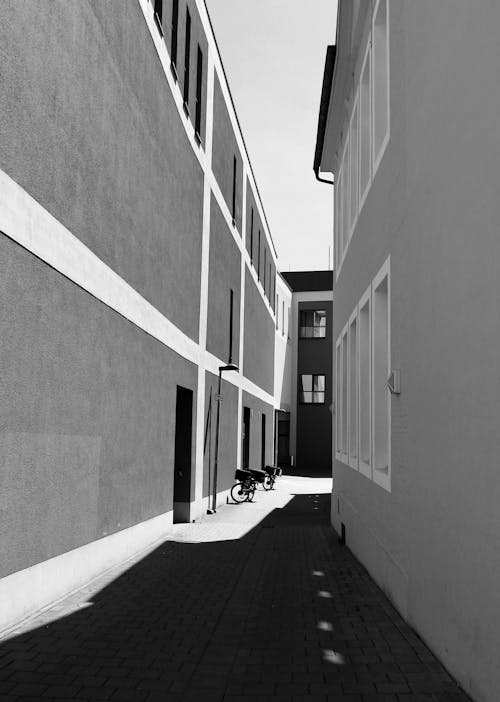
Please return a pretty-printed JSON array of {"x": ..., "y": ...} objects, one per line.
[
  {"x": 364, "y": 385},
  {"x": 173, "y": 41},
  {"x": 277, "y": 307},
  {"x": 353, "y": 167},
  {"x": 312, "y": 389},
  {"x": 264, "y": 271},
  {"x": 353, "y": 391},
  {"x": 233, "y": 201},
  {"x": 158, "y": 11},
  {"x": 270, "y": 285},
  {"x": 187, "y": 55},
  {"x": 199, "y": 84},
  {"x": 312, "y": 324},
  {"x": 344, "y": 396},
  {"x": 258, "y": 258},
  {"x": 338, "y": 400},
  {"x": 283, "y": 320},
  {"x": 365, "y": 129},
  {"x": 380, "y": 374},
  {"x": 231, "y": 305},
  {"x": 251, "y": 236},
  {"x": 380, "y": 65}
]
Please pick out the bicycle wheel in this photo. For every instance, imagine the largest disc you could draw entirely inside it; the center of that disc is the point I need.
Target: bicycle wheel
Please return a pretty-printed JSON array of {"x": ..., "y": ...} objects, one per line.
[
  {"x": 269, "y": 482},
  {"x": 239, "y": 493}
]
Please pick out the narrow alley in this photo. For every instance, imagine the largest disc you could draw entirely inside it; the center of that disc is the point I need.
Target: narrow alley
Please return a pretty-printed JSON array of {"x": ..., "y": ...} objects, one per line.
[{"x": 257, "y": 602}]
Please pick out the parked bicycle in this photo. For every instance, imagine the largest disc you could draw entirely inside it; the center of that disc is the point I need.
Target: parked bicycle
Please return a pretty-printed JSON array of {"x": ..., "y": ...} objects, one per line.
[
  {"x": 244, "y": 489},
  {"x": 272, "y": 474}
]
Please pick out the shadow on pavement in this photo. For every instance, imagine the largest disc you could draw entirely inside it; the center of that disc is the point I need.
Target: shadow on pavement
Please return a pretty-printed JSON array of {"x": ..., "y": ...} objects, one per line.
[{"x": 284, "y": 613}]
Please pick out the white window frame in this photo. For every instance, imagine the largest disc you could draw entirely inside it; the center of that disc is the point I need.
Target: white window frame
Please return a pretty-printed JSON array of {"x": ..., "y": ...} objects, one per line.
[
  {"x": 363, "y": 195},
  {"x": 377, "y": 157},
  {"x": 353, "y": 460},
  {"x": 381, "y": 477},
  {"x": 338, "y": 399},
  {"x": 344, "y": 452},
  {"x": 354, "y": 219},
  {"x": 365, "y": 467}
]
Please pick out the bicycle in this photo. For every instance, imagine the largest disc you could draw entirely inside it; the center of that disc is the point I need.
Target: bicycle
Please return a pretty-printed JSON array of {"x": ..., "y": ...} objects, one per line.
[
  {"x": 244, "y": 489},
  {"x": 272, "y": 474}
]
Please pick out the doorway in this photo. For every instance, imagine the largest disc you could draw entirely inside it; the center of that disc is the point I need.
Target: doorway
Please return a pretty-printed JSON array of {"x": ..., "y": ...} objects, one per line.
[
  {"x": 283, "y": 438},
  {"x": 246, "y": 438},
  {"x": 182, "y": 455},
  {"x": 263, "y": 439}
]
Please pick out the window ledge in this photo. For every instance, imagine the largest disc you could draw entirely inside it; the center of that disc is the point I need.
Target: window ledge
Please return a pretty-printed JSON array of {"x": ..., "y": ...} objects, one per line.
[
  {"x": 158, "y": 23},
  {"x": 173, "y": 69},
  {"x": 185, "y": 107}
]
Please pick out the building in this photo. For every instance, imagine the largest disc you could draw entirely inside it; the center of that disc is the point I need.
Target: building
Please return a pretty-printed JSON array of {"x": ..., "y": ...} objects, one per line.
[
  {"x": 311, "y": 334},
  {"x": 136, "y": 263},
  {"x": 409, "y": 129}
]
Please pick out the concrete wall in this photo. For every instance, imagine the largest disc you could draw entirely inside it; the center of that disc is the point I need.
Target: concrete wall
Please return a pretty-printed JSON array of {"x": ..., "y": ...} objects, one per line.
[
  {"x": 258, "y": 338},
  {"x": 225, "y": 149},
  {"x": 94, "y": 137},
  {"x": 87, "y": 443},
  {"x": 431, "y": 542},
  {"x": 314, "y": 422},
  {"x": 225, "y": 273}
]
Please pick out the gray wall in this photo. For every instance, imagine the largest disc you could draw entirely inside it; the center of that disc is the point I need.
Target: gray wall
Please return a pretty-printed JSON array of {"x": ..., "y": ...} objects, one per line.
[
  {"x": 257, "y": 409},
  {"x": 314, "y": 422},
  {"x": 225, "y": 274},
  {"x": 94, "y": 136},
  {"x": 87, "y": 441},
  {"x": 224, "y": 149},
  {"x": 258, "y": 339},
  {"x": 432, "y": 542}
]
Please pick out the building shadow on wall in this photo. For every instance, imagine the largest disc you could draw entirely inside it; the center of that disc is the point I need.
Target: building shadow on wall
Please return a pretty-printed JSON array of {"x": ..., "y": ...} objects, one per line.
[{"x": 284, "y": 610}]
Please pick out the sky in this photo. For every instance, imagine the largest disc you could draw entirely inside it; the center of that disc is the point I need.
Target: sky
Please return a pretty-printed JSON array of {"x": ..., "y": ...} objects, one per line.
[{"x": 273, "y": 53}]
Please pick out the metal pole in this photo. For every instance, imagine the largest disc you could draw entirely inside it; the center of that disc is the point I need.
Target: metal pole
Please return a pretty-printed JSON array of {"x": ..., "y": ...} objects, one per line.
[{"x": 216, "y": 462}]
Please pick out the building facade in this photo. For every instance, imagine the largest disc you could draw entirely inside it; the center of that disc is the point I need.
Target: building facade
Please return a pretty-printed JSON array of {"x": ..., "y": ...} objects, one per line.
[
  {"x": 409, "y": 129},
  {"x": 136, "y": 262}
]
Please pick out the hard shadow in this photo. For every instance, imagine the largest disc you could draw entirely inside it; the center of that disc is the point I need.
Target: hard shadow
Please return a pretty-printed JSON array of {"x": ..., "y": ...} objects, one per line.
[{"x": 283, "y": 613}]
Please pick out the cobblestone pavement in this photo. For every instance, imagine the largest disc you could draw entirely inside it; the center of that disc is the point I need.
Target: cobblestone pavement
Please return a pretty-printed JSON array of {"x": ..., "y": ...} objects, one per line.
[{"x": 257, "y": 602}]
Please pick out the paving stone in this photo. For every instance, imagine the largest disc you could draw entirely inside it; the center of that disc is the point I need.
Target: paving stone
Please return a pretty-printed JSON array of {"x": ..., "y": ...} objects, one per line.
[{"x": 257, "y": 602}]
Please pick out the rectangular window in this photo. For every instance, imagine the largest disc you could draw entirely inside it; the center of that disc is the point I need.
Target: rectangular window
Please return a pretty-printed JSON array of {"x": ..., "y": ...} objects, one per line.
[
  {"x": 353, "y": 154},
  {"x": 365, "y": 128},
  {"x": 187, "y": 55},
  {"x": 338, "y": 401},
  {"x": 251, "y": 236},
  {"x": 264, "y": 271},
  {"x": 283, "y": 320},
  {"x": 345, "y": 201},
  {"x": 380, "y": 374},
  {"x": 233, "y": 202},
  {"x": 158, "y": 11},
  {"x": 312, "y": 324},
  {"x": 258, "y": 258},
  {"x": 231, "y": 304},
  {"x": 380, "y": 67},
  {"x": 337, "y": 215},
  {"x": 353, "y": 392},
  {"x": 364, "y": 343},
  {"x": 173, "y": 41},
  {"x": 199, "y": 84},
  {"x": 277, "y": 307},
  {"x": 312, "y": 389},
  {"x": 344, "y": 395},
  {"x": 270, "y": 285}
]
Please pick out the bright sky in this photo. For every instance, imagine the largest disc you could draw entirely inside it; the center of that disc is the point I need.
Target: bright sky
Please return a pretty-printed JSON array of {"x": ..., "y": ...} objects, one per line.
[{"x": 273, "y": 53}]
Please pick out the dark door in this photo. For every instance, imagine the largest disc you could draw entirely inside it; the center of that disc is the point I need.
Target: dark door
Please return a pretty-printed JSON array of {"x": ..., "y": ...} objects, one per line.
[
  {"x": 283, "y": 438},
  {"x": 182, "y": 459},
  {"x": 263, "y": 447},
  {"x": 246, "y": 437}
]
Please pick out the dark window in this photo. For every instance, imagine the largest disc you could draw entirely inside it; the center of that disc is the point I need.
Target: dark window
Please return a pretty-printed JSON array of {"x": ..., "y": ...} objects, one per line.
[
  {"x": 199, "y": 78},
  {"x": 187, "y": 54},
  {"x": 312, "y": 389},
  {"x": 158, "y": 9},
  {"x": 231, "y": 302},
  {"x": 251, "y": 236},
  {"x": 265, "y": 256},
  {"x": 258, "y": 258},
  {"x": 233, "y": 203},
  {"x": 270, "y": 285},
  {"x": 173, "y": 43},
  {"x": 312, "y": 324}
]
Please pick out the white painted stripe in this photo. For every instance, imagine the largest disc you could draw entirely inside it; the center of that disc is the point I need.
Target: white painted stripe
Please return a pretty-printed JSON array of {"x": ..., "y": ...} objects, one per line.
[{"x": 30, "y": 590}]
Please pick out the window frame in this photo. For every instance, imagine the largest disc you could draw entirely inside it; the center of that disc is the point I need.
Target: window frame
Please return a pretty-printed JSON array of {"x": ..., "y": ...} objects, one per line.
[
  {"x": 314, "y": 326},
  {"x": 377, "y": 157},
  {"x": 338, "y": 399},
  {"x": 365, "y": 467},
  {"x": 353, "y": 321},
  {"x": 312, "y": 391}
]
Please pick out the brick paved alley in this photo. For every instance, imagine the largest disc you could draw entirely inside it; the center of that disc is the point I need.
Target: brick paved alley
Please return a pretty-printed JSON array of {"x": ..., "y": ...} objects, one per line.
[{"x": 258, "y": 602}]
